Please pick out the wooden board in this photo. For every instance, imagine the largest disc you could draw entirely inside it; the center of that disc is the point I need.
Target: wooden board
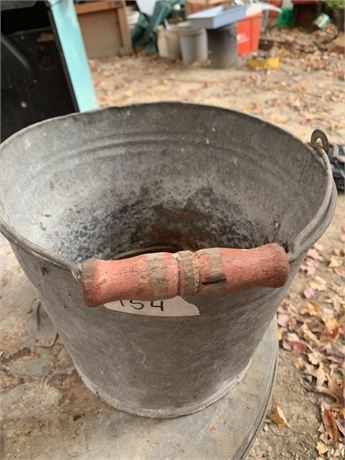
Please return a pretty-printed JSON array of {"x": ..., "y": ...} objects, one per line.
[
  {"x": 91, "y": 7},
  {"x": 104, "y": 28}
]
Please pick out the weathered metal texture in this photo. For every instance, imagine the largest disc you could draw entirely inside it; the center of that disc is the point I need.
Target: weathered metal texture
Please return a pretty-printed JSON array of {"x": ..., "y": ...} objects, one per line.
[
  {"x": 167, "y": 176},
  {"x": 47, "y": 412}
]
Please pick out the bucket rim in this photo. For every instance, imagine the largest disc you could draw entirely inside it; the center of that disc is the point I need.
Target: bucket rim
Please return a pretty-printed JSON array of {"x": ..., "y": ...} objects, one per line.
[{"x": 14, "y": 237}]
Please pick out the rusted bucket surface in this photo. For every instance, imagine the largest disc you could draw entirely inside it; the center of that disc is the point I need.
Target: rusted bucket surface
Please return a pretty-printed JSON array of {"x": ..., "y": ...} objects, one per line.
[{"x": 164, "y": 182}]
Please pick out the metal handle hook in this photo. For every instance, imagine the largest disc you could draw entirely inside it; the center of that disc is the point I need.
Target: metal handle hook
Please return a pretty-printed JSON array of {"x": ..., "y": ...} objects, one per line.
[{"x": 316, "y": 135}]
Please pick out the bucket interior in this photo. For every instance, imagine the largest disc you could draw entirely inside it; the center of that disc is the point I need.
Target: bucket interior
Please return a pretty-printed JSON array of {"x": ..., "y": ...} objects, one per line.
[{"x": 165, "y": 176}]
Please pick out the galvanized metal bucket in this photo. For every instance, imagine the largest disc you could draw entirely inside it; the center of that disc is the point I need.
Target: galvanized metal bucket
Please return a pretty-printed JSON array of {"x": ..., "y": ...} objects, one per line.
[{"x": 174, "y": 331}]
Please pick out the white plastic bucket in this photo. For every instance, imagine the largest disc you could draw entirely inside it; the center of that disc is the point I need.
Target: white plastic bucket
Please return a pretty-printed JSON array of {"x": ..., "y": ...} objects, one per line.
[
  {"x": 193, "y": 43},
  {"x": 168, "y": 43}
]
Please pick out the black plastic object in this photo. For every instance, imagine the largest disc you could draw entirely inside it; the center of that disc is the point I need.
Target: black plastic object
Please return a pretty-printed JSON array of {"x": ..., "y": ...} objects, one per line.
[
  {"x": 34, "y": 83},
  {"x": 337, "y": 159},
  {"x": 222, "y": 46},
  {"x": 12, "y": 5}
]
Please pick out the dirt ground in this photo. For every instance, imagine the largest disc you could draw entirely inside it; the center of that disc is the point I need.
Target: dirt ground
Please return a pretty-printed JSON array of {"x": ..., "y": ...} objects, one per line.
[
  {"x": 307, "y": 92},
  {"x": 294, "y": 390}
]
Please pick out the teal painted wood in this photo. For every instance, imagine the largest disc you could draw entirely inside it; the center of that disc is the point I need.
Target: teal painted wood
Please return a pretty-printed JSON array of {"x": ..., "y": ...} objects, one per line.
[{"x": 71, "y": 40}]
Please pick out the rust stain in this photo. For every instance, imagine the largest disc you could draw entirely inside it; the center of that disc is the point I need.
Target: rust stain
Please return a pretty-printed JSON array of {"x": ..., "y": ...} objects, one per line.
[
  {"x": 26, "y": 351},
  {"x": 9, "y": 380},
  {"x": 88, "y": 271}
]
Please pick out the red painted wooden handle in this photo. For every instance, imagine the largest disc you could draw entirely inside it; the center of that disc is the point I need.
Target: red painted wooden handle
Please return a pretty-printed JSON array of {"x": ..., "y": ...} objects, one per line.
[{"x": 164, "y": 275}]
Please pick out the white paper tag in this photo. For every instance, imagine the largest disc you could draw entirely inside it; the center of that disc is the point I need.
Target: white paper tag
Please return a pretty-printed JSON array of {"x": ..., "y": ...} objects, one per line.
[{"x": 169, "y": 307}]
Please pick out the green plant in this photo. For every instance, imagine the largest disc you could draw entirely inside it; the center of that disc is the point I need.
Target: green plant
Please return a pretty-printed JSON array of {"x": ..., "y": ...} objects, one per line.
[{"x": 335, "y": 4}]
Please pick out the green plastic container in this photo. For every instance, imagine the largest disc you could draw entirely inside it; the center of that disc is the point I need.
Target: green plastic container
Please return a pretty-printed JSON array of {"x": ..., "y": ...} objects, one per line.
[{"x": 285, "y": 17}]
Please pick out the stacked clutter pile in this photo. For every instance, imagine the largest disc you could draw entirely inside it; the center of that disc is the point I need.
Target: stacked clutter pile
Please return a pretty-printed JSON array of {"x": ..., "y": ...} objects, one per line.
[
  {"x": 174, "y": 29},
  {"x": 222, "y": 30}
]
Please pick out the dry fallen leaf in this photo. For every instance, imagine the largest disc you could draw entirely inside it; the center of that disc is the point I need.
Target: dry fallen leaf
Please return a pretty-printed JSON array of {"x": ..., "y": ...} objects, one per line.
[
  {"x": 334, "y": 262},
  {"x": 298, "y": 347},
  {"x": 318, "y": 283},
  {"x": 309, "y": 293},
  {"x": 338, "y": 289},
  {"x": 330, "y": 322},
  {"x": 330, "y": 424},
  {"x": 283, "y": 319},
  {"x": 313, "y": 253},
  {"x": 303, "y": 121},
  {"x": 340, "y": 271},
  {"x": 309, "y": 267},
  {"x": 318, "y": 373},
  {"x": 312, "y": 308},
  {"x": 341, "y": 425},
  {"x": 321, "y": 448},
  {"x": 286, "y": 345},
  {"x": 329, "y": 317},
  {"x": 277, "y": 416},
  {"x": 309, "y": 335},
  {"x": 331, "y": 330},
  {"x": 335, "y": 389},
  {"x": 315, "y": 358},
  {"x": 335, "y": 352},
  {"x": 298, "y": 362}
]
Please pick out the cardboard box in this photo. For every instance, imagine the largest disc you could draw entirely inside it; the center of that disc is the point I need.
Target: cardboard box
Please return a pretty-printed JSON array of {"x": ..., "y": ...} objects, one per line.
[{"x": 104, "y": 28}]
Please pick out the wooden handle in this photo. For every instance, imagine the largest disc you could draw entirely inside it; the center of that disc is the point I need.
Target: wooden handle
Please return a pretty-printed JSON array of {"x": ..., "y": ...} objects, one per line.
[{"x": 164, "y": 275}]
